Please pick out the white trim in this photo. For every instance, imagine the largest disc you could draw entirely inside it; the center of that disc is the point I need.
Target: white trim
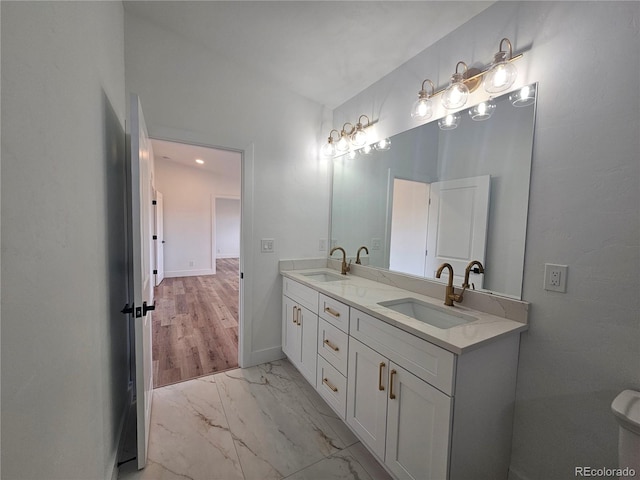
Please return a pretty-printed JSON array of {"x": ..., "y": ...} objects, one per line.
[
  {"x": 212, "y": 242},
  {"x": 189, "y": 273},
  {"x": 266, "y": 355},
  {"x": 227, "y": 255}
]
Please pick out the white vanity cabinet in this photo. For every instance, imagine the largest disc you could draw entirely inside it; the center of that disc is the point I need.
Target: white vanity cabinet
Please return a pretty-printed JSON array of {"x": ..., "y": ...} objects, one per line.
[{"x": 300, "y": 327}]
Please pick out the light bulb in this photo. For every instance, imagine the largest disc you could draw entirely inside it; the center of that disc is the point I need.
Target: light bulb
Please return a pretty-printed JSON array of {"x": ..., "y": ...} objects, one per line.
[
  {"x": 328, "y": 150},
  {"x": 482, "y": 111},
  {"x": 502, "y": 73},
  {"x": 359, "y": 138},
  {"x": 449, "y": 122},
  {"x": 422, "y": 108},
  {"x": 455, "y": 96},
  {"x": 523, "y": 97},
  {"x": 384, "y": 144},
  {"x": 343, "y": 143},
  {"x": 367, "y": 149}
]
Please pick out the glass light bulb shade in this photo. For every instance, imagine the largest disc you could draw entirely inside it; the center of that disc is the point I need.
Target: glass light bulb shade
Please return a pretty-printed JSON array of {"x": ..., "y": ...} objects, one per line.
[
  {"x": 343, "y": 144},
  {"x": 384, "y": 144},
  {"x": 500, "y": 77},
  {"x": 422, "y": 108},
  {"x": 455, "y": 96},
  {"x": 352, "y": 154},
  {"x": 359, "y": 138},
  {"x": 367, "y": 149},
  {"x": 449, "y": 122},
  {"x": 482, "y": 111},
  {"x": 524, "y": 97},
  {"x": 328, "y": 149}
]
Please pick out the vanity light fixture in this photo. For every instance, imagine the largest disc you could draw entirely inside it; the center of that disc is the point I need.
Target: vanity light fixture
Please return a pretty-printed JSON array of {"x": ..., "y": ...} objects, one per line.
[
  {"x": 366, "y": 150},
  {"x": 359, "y": 136},
  {"x": 482, "y": 111},
  {"x": 502, "y": 72},
  {"x": 343, "y": 144},
  {"x": 329, "y": 148},
  {"x": 423, "y": 107},
  {"x": 456, "y": 94},
  {"x": 523, "y": 97},
  {"x": 450, "y": 121}
]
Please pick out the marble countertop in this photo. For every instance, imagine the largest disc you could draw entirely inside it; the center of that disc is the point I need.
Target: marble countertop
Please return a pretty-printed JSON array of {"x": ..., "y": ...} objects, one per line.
[{"x": 364, "y": 295}]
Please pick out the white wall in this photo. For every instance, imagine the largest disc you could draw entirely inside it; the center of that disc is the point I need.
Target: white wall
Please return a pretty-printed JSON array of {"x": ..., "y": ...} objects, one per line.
[
  {"x": 227, "y": 227},
  {"x": 189, "y": 196},
  {"x": 582, "y": 347},
  {"x": 204, "y": 98},
  {"x": 64, "y": 344}
]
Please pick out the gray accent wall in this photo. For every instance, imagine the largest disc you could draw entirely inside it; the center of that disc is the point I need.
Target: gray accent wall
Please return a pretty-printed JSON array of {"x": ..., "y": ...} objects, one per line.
[{"x": 583, "y": 346}]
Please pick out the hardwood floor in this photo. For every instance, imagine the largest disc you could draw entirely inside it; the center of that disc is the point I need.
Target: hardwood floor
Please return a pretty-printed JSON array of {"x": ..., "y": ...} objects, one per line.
[{"x": 195, "y": 325}]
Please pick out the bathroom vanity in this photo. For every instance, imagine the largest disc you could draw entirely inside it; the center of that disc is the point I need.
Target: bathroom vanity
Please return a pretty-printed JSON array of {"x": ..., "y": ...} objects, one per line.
[{"x": 428, "y": 389}]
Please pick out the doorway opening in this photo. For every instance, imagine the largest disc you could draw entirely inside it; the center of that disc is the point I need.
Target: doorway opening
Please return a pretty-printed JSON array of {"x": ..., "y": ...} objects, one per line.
[{"x": 197, "y": 275}]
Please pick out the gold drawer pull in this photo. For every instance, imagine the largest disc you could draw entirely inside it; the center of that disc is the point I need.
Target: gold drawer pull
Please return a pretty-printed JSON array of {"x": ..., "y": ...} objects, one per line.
[
  {"x": 331, "y": 345},
  {"x": 331, "y": 311},
  {"x": 328, "y": 384},
  {"x": 391, "y": 394},
  {"x": 380, "y": 386},
  {"x": 295, "y": 311}
]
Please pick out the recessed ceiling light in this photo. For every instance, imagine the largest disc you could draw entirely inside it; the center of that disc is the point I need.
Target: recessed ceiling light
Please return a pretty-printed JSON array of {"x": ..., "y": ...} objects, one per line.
[{"x": 199, "y": 161}]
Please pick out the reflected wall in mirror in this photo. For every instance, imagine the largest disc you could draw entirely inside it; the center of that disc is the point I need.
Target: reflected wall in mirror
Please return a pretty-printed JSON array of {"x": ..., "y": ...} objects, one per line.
[{"x": 442, "y": 196}]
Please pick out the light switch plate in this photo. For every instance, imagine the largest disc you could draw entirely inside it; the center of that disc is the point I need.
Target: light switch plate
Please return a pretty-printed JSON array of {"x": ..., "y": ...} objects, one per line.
[
  {"x": 555, "y": 277},
  {"x": 267, "y": 245}
]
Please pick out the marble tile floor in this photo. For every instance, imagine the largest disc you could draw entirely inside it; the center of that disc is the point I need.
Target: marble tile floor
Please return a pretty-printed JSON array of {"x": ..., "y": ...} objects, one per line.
[{"x": 259, "y": 423}]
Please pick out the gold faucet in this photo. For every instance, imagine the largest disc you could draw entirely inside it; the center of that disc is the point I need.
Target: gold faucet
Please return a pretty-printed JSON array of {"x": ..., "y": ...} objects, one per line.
[
  {"x": 467, "y": 271},
  {"x": 345, "y": 267},
  {"x": 358, "y": 254},
  {"x": 450, "y": 295}
]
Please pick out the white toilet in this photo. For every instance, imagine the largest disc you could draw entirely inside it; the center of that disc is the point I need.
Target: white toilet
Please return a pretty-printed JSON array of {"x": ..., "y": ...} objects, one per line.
[{"x": 626, "y": 408}]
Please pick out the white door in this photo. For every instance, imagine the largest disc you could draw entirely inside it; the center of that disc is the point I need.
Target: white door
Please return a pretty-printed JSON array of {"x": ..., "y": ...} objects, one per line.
[
  {"x": 291, "y": 342},
  {"x": 458, "y": 224},
  {"x": 141, "y": 248},
  {"x": 308, "y": 326},
  {"x": 409, "y": 216},
  {"x": 418, "y": 422},
  {"x": 159, "y": 243},
  {"x": 367, "y": 395}
]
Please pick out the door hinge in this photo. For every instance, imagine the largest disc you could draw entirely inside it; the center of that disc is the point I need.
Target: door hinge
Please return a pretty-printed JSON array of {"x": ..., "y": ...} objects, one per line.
[
  {"x": 155, "y": 237},
  {"x": 153, "y": 202},
  {"x": 155, "y": 272}
]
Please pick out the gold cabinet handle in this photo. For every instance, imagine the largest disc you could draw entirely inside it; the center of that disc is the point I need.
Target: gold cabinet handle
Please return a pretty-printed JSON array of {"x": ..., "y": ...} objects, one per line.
[
  {"x": 299, "y": 315},
  {"x": 331, "y": 345},
  {"x": 381, "y": 367},
  {"x": 391, "y": 394},
  {"x": 328, "y": 384},
  {"x": 295, "y": 311},
  {"x": 331, "y": 311}
]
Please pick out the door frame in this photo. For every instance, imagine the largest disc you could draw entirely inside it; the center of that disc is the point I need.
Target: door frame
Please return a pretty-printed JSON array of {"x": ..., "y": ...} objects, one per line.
[{"x": 246, "y": 232}]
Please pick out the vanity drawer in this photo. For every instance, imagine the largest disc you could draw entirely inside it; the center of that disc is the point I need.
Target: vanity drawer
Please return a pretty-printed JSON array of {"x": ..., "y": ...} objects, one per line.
[
  {"x": 332, "y": 386},
  {"x": 304, "y": 295},
  {"x": 333, "y": 345},
  {"x": 334, "y": 312},
  {"x": 431, "y": 363}
]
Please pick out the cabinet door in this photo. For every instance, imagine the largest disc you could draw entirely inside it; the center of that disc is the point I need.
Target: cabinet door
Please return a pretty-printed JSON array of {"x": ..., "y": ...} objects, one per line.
[
  {"x": 367, "y": 395},
  {"x": 290, "y": 330},
  {"x": 418, "y": 422},
  {"x": 308, "y": 326}
]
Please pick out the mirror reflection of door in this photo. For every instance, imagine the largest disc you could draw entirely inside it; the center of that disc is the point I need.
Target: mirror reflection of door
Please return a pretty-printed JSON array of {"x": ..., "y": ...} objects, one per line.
[
  {"x": 458, "y": 224},
  {"x": 409, "y": 220}
]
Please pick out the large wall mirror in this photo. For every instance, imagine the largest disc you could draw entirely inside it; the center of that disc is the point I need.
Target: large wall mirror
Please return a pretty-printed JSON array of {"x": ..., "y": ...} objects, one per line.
[{"x": 442, "y": 195}]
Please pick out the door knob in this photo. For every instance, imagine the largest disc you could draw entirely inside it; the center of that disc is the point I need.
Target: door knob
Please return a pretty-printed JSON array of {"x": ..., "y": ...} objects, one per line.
[
  {"x": 127, "y": 309},
  {"x": 146, "y": 308}
]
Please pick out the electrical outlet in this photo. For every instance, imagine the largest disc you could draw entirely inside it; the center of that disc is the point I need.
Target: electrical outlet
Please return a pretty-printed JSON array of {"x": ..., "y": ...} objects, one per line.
[
  {"x": 191, "y": 263},
  {"x": 322, "y": 245},
  {"x": 267, "y": 245},
  {"x": 555, "y": 277},
  {"x": 376, "y": 244}
]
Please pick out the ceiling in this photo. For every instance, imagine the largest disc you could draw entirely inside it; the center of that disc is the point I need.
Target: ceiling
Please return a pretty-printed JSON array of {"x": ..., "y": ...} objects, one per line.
[
  {"x": 223, "y": 163},
  {"x": 327, "y": 51}
]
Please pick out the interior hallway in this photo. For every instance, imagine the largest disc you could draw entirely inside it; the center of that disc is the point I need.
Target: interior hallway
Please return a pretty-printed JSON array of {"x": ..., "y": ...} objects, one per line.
[
  {"x": 195, "y": 325},
  {"x": 263, "y": 422}
]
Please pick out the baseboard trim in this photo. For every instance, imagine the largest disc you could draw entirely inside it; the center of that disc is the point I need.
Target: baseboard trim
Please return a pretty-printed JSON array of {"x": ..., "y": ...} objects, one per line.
[
  {"x": 266, "y": 355},
  {"x": 189, "y": 273}
]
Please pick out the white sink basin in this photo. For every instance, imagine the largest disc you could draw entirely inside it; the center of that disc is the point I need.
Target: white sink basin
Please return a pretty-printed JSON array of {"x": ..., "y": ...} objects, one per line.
[
  {"x": 440, "y": 317},
  {"x": 324, "y": 276}
]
